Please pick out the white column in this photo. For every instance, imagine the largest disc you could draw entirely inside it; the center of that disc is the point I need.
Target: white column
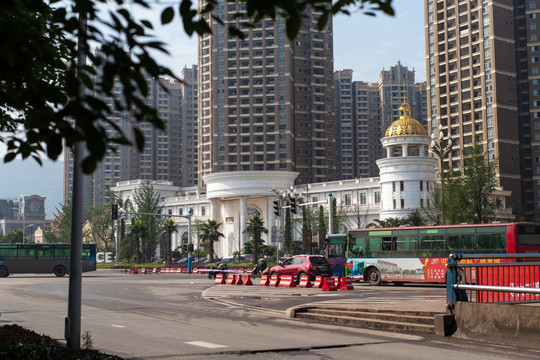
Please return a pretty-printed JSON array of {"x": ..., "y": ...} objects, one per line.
[
  {"x": 270, "y": 218},
  {"x": 214, "y": 209},
  {"x": 243, "y": 217},
  {"x": 404, "y": 150}
]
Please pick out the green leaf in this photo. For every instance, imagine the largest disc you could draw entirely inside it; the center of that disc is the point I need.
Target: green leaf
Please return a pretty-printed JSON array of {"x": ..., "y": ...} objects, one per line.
[{"x": 167, "y": 15}]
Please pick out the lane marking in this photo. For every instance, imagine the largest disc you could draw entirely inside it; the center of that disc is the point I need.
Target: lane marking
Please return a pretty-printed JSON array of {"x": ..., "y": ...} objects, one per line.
[
  {"x": 205, "y": 344},
  {"x": 118, "y": 326}
]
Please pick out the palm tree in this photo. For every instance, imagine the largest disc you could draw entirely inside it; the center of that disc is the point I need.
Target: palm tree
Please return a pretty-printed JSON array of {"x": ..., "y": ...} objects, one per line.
[
  {"x": 209, "y": 233},
  {"x": 256, "y": 227},
  {"x": 137, "y": 231},
  {"x": 390, "y": 222},
  {"x": 415, "y": 218},
  {"x": 169, "y": 227}
]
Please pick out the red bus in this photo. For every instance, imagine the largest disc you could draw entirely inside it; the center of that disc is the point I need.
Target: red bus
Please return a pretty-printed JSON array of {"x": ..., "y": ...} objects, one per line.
[{"x": 420, "y": 254}]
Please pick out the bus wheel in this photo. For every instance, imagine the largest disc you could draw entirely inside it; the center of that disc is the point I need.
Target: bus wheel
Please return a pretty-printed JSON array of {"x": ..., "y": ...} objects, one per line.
[
  {"x": 59, "y": 271},
  {"x": 4, "y": 271},
  {"x": 374, "y": 277}
]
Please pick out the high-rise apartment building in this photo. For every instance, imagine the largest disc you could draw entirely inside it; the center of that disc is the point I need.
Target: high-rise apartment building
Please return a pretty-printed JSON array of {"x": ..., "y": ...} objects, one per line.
[
  {"x": 365, "y": 110},
  {"x": 160, "y": 159},
  {"x": 368, "y": 134},
  {"x": 345, "y": 135},
  {"x": 188, "y": 133},
  {"x": 483, "y": 84},
  {"x": 266, "y": 103},
  {"x": 396, "y": 86}
]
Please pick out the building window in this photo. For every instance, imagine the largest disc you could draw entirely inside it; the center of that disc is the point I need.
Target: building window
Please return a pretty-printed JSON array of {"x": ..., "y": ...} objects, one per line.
[
  {"x": 394, "y": 203},
  {"x": 363, "y": 198},
  {"x": 421, "y": 202},
  {"x": 421, "y": 185},
  {"x": 402, "y": 203},
  {"x": 402, "y": 186},
  {"x": 348, "y": 199},
  {"x": 377, "y": 196},
  {"x": 203, "y": 210}
]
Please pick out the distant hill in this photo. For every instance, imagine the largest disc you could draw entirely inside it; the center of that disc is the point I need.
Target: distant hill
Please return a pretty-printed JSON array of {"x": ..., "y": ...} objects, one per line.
[{"x": 28, "y": 178}]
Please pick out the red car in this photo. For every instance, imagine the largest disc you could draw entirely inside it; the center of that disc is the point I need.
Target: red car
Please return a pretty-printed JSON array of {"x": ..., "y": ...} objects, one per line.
[{"x": 298, "y": 265}]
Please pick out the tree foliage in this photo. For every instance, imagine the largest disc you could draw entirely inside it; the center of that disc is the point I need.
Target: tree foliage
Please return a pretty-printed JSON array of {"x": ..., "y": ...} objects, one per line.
[
  {"x": 169, "y": 227},
  {"x": 209, "y": 233},
  {"x": 255, "y": 227},
  {"x": 466, "y": 198},
  {"x": 48, "y": 100},
  {"x": 146, "y": 204}
]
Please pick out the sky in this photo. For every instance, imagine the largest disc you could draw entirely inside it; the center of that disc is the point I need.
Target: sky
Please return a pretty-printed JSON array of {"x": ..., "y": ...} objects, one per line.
[{"x": 365, "y": 44}]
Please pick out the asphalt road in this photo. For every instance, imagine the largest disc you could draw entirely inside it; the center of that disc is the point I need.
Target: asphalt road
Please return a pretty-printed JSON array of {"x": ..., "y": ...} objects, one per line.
[{"x": 180, "y": 316}]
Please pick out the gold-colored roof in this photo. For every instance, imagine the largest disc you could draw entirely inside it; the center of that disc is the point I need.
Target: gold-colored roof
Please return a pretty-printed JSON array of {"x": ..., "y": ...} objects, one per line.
[{"x": 405, "y": 125}]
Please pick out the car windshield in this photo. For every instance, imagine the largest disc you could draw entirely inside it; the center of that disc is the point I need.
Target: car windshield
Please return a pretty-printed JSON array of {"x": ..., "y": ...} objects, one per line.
[{"x": 318, "y": 260}]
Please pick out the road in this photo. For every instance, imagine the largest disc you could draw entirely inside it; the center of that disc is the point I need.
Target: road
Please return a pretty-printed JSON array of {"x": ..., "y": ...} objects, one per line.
[{"x": 181, "y": 316}]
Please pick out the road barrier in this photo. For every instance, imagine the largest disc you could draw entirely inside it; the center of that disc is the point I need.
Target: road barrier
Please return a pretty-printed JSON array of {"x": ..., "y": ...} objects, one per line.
[
  {"x": 319, "y": 282},
  {"x": 287, "y": 281},
  {"x": 346, "y": 284},
  {"x": 239, "y": 280},
  {"x": 134, "y": 270},
  {"x": 265, "y": 281},
  {"x": 143, "y": 270},
  {"x": 329, "y": 285},
  {"x": 304, "y": 282},
  {"x": 337, "y": 281},
  {"x": 247, "y": 280},
  {"x": 231, "y": 280},
  {"x": 220, "y": 279},
  {"x": 155, "y": 271},
  {"x": 274, "y": 280}
]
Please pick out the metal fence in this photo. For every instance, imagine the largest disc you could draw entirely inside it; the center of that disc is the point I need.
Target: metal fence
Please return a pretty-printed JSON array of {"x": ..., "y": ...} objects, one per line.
[{"x": 492, "y": 278}]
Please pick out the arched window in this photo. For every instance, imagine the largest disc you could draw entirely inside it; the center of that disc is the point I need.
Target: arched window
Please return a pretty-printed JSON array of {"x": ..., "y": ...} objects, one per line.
[{"x": 251, "y": 211}]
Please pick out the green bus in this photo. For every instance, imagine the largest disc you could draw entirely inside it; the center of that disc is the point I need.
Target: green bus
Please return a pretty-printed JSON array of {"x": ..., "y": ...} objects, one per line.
[{"x": 42, "y": 259}]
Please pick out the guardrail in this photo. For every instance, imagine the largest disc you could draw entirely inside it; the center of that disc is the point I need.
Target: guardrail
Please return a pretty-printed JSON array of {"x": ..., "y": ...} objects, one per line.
[{"x": 492, "y": 278}]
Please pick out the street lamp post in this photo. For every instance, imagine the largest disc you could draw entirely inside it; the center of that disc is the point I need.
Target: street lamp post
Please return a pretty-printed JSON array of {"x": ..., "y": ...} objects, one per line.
[{"x": 438, "y": 149}]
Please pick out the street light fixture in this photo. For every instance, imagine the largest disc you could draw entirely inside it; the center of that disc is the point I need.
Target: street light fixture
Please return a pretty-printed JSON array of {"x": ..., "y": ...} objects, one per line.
[{"x": 438, "y": 147}]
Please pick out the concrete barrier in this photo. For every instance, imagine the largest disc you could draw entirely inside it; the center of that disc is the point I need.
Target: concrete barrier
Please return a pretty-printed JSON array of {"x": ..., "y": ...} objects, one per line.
[
  {"x": 304, "y": 282},
  {"x": 515, "y": 325},
  {"x": 287, "y": 281},
  {"x": 265, "y": 280}
]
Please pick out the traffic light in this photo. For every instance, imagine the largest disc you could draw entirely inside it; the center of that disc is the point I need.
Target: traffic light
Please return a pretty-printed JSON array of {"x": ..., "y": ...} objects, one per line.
[
  {"x": 114, "y": 211},
  {"x": 190, "y": 248},
  {"x": 293, "y": 204},
  {"x": 276, "y": 208}
]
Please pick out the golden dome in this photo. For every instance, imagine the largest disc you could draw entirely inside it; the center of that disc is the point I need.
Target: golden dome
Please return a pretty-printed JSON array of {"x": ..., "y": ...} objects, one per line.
[{"x": 405, "y": 125}]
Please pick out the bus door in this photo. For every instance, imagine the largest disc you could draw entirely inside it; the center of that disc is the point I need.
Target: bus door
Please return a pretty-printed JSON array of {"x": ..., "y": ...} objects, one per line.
[{"x": 335, "y": 253}]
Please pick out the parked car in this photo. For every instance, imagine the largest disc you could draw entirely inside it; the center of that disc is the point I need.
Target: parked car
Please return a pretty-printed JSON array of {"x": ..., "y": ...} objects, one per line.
[{"x": 298, "y": 265}]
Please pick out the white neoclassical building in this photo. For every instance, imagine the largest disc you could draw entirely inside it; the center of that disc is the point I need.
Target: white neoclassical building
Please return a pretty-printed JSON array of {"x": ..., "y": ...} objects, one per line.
[{"x": 407, "y": 176}]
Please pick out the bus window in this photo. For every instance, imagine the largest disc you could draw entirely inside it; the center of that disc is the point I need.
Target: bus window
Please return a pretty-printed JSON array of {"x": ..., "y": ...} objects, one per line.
[
  {"x": 357, "y": 247},
  {"x": 61, "y": 252},
  {"x": 490, "y": 243},
  {"x": 463, "y": 242},
  {"x": 432, "y": 245},
  {"x": 388, "y": 244},
  {"x": 528, "y": 235},
  {"x": 8, "y": 252},
  {"x": 45, "y": 252},
  {"x": 406, "y": 245},
  {"x": 26, "y": 253}
]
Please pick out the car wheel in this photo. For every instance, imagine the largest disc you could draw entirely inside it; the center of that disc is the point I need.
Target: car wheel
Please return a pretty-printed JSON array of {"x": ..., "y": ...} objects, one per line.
[
  {"x": 59, "y": 271},
  {"x": 299, "y": 276},
  {"x": 374, "y": 277},
  {"x": 4, "y": 271}
]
